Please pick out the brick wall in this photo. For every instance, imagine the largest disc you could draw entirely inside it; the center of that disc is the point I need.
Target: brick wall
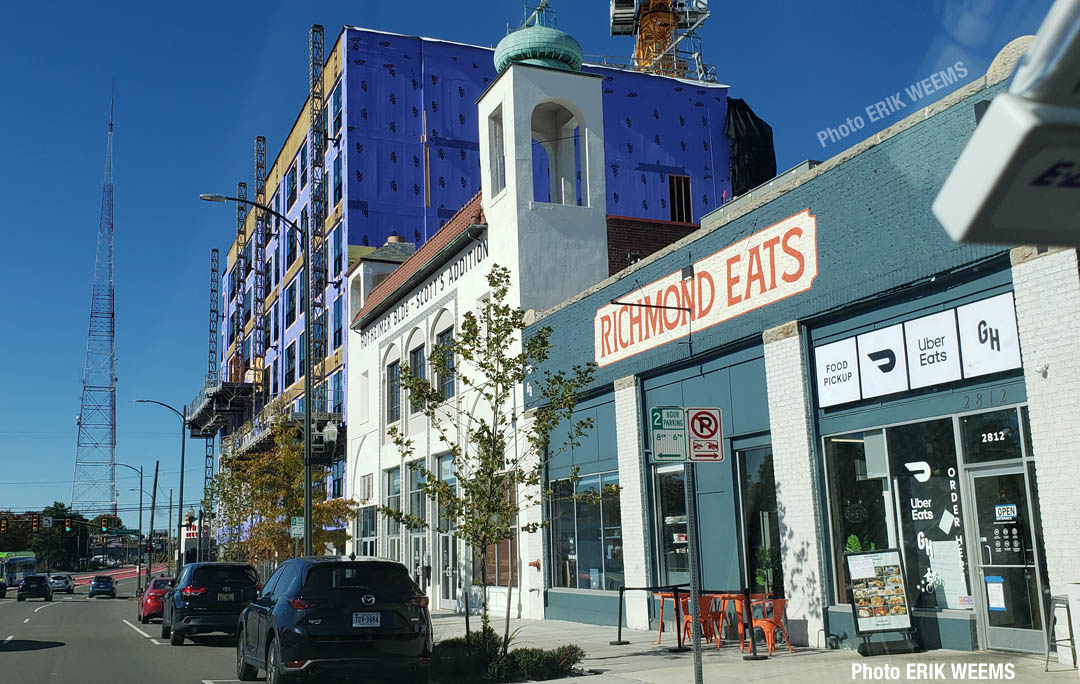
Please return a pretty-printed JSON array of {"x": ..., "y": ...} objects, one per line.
[
  {"x": 796, "y": 486},
  {"x": 1047, "y": 292},
  {"x": 631, "y": 239},
  {"x": 632, "y": 501}
]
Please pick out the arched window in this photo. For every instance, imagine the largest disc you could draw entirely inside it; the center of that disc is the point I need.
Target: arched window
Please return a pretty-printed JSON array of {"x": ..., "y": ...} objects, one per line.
[{"x": 556, "y": 148}]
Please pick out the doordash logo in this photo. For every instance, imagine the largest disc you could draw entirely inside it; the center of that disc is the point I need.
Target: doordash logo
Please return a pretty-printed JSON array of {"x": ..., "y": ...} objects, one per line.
[{"x": 770, "y": 265}]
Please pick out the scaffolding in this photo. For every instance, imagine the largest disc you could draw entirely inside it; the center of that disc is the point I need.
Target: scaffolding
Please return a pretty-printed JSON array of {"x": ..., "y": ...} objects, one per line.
[{"x": 316, "y": 240}]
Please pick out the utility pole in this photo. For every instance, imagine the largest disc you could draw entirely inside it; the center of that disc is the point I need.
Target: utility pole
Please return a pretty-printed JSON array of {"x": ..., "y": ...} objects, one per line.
[
  {"x": 153, "y": 504},
  {"x": 168, "y": 537}
]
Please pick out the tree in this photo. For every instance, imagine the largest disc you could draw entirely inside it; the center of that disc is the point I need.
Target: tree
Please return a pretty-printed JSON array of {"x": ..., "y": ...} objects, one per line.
[
  {"x": 257, "y": 493},
  {"x": 496, "y": 476},
  {"x": 54, "y": 547},
  {"x": 17, "y": 537}
]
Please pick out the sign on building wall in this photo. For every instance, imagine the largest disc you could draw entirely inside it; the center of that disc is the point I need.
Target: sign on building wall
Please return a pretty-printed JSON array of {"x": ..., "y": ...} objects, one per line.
[
  {"x": 967, "y": 342},
  {"x": 680, "y": 434},
  {"x": 770, "y": 265}
]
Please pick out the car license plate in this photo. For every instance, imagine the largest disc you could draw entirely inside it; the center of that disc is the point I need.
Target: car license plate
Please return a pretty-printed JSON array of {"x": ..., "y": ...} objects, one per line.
[
  {"x": 366, "y": 619},
  {"x": 225, "y": 597}
]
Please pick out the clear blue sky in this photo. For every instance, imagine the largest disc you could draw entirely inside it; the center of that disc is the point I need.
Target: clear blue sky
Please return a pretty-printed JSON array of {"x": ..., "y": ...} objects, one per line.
[{"x": 197, "y": 81}]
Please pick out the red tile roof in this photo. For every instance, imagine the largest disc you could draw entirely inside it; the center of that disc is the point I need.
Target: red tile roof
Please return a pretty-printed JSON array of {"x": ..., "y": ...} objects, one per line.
[{"x": 470, "y": 214}]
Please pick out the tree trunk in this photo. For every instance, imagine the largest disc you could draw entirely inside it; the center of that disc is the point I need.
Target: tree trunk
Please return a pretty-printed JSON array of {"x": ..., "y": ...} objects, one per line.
[{"x": 484, "y": 619}]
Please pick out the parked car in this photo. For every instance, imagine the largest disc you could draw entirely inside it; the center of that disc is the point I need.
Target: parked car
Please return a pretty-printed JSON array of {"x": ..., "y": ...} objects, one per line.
[
  {"x": 62, "y": 583},
  {"x": 35, "y": 586},
  {"x": 207, "y": 597},
  {"x": 329, "y": 617},
  {"x": 103, "y": 585},
  {"x": 152, "y": 601}
]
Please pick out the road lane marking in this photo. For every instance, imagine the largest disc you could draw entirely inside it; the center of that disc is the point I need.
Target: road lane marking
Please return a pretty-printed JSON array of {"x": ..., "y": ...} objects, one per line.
[
  {"x": 136, "y": 629},
  {"x": 44, "y": 607},
  {"x": 26, "y": 620},
  {"x": 9, "y": 638},
  {"x": 156, "y": 642}
]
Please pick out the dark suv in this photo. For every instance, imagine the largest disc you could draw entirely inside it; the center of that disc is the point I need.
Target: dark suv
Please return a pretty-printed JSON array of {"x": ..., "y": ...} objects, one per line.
[
  {"x": 34, "y": 586},
  {"x": 324, "y": 618},
  {"x": 207, "y": 597}
]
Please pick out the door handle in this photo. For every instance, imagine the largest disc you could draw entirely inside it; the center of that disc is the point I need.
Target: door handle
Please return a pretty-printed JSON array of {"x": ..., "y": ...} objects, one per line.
[{"x": 989, "y": 554}]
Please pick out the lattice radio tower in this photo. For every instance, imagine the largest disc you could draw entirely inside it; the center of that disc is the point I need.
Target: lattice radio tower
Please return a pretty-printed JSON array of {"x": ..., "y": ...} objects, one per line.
[{"x": 93, "y": 489}]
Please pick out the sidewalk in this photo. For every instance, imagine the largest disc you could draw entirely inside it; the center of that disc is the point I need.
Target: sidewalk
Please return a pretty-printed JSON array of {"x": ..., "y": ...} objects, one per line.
[{"x": 644, "y": 661}]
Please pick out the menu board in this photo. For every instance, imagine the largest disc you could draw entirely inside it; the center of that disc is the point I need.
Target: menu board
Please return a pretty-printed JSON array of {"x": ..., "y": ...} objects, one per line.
[{"x": 879, "y": 599}]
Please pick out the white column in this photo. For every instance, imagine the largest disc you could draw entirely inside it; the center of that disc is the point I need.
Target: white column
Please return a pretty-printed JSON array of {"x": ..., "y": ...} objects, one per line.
[
  {"x": 632, "y": 501},
  {"x": 796, "y": 484},
  {"x": 1047, "y": 294},
  {"x": 530, "y": 587}
]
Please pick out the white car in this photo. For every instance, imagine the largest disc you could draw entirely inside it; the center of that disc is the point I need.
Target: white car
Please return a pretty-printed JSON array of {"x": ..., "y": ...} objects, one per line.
[{"x": 62, "y": 583}]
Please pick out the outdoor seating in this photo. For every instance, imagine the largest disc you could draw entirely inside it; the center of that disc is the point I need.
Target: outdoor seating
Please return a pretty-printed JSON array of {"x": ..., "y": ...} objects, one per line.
[
  {"x": 772, "y": 619},
  {"x": 706, "y": 616}
]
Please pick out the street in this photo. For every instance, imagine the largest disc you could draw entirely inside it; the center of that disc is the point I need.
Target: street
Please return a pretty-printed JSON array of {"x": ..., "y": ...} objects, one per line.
[{"x": 76, "y": 639}]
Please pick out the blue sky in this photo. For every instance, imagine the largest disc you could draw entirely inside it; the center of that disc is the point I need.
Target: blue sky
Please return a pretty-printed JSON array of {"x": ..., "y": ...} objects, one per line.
[{"x": 197, "y": 81}]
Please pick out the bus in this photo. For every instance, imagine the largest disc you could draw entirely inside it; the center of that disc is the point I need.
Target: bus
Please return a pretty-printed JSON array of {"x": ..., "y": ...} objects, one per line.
[{"x": 16, "y": 565}]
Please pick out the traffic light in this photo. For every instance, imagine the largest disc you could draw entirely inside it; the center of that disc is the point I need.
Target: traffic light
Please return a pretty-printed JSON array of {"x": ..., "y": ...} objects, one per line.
[
  {"x": 3, "y": 525},
  {"x": 104, "y": 525},
  {"x": 67, "y": 524},
  {"x": 35, "y": 523},
  {"x": 190, "y": 519}
]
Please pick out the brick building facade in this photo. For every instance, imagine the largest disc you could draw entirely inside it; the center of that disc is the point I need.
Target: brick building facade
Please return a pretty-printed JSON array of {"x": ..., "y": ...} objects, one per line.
[{"x": 882, "y": 390}]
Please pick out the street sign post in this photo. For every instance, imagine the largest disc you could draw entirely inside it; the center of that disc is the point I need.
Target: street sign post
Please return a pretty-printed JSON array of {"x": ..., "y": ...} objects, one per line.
[
  {"x": 668, "y": 428},
  {"x": 706, "y": 438},
  {"x": 296, "y": 528}
]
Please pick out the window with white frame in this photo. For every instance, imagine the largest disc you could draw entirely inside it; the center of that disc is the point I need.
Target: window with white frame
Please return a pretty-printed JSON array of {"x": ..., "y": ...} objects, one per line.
[
  {"x": 366, "y": 531},
  {"x": 446, "y": 373},
  {"x": 496, "y": 151},
  {"x": 393, "y": 392},
  {"x": 418, "y": 370},
  {"x": 393, "y": 502}
]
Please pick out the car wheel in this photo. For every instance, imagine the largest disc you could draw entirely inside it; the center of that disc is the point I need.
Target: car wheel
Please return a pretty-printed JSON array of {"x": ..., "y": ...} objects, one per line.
[
  {"x": 244, "y": 672},
  {"x": 20, "y": 598},
  {"x": 176, "y": 639},
  {"x": 143, "y": 619},
  {"x": 273, "y": 663},
  {"x": 166, "y": 630}
]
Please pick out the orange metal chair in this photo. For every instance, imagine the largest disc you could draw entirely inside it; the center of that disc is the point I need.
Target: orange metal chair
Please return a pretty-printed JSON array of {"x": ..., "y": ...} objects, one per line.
[
  {"x": 770, "y": 623},
  {"x": 705, "y": 614}
]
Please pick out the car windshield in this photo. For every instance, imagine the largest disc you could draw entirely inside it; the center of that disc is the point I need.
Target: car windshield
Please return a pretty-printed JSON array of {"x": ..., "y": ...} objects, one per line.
[
  {"x": 102, "y": 579},
  {"x": 160, "y": 583},
  {"x": 223, "y": 574},
  {"x": 367, "y": 576}
]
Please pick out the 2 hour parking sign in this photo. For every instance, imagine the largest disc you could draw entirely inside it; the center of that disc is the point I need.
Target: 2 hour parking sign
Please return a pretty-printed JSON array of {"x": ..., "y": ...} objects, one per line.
[{"x": 686, "y": 434}]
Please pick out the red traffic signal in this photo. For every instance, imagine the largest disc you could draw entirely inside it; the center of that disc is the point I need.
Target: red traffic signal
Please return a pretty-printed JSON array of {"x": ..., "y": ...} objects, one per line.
[{"x": 35, "y": 522}]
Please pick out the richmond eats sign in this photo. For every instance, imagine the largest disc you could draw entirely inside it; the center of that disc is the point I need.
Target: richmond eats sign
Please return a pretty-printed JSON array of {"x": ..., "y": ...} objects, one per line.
[{"x": 774, "y": 263}]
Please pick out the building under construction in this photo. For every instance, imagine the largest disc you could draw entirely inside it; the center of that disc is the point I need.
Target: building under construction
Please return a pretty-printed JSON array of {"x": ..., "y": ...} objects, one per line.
[{"x": 383, "y": 152}]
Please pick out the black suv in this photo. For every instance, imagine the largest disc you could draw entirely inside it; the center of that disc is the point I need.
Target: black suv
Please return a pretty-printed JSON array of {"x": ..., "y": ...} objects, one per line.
[
  {"x": 35, "y": 586},
  {"x": 323, "y": 618},
  {"x": 207, "y": 597}
]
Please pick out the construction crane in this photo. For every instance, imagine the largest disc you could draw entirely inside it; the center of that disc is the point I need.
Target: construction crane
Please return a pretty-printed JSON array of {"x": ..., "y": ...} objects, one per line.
[{"x": 667, "y": 41}]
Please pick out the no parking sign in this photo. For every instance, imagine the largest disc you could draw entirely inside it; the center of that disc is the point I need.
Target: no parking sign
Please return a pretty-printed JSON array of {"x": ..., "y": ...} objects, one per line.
[{"x": 706, "y": 441}]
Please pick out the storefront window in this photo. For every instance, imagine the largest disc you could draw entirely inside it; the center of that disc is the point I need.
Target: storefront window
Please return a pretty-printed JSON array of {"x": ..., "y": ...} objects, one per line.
[
  {"x": 923, "y": 461},
  {"x": 991, "y": 436},
  {"x": 671, "y": 507},
  {"x": 859, "y": 498},
  {"x": 586, "y": 533},
  {"x": 393, "y": 502},
  {"x": 760, "y": 522}
]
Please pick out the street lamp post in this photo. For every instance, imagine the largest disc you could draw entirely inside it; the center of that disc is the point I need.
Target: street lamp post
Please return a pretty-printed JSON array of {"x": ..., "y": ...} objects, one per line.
[
  {"x": 180, "y": 503},
  {"x": 308, "y": 550},
  {"x": 138, "y": 567}
]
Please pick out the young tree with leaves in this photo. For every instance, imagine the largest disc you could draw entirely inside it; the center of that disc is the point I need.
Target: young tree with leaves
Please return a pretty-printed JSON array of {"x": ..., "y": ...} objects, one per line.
[
  {"x": 499, "y": 460},
  {"x": 258, "y": 493}
]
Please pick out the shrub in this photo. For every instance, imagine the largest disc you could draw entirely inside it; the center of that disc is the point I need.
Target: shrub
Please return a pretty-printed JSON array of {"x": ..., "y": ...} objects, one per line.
[{"x": 479, "y": 658}]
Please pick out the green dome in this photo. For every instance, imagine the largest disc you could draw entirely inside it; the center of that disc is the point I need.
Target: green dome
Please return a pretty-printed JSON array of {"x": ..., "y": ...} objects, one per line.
[{"x": 539, "y": 45}]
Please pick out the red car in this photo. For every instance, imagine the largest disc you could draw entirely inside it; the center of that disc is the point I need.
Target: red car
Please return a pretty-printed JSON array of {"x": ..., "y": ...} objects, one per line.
[{"x": 151, "y": 602}]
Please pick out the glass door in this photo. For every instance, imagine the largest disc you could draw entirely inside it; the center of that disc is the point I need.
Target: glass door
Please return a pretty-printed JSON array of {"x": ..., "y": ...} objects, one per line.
[
  {"x": 1007, "y": 575},
  {"x": 448, "y": 572},
  {"x": 419, "y": 558}
]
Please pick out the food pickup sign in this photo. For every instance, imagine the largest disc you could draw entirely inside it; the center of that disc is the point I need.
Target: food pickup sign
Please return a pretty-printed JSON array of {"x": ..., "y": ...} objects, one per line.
[{"x": 770, "y": 265}]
